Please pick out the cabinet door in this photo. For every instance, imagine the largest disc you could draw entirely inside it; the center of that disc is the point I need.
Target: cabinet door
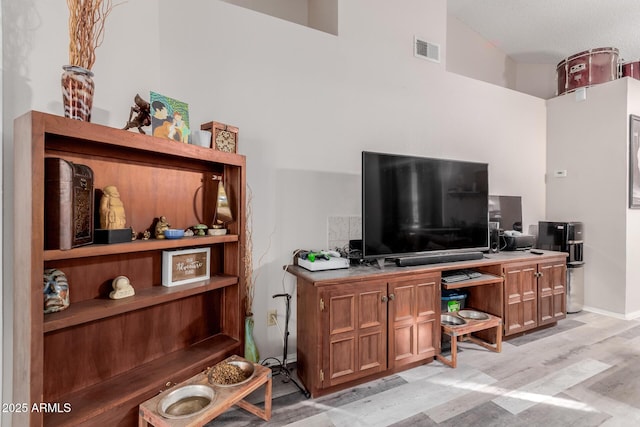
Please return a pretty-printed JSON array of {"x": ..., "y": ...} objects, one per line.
[
  {"x": 354, "y": 325},
  {"x": 414, "y": 319},
  {"x": 521, "y": 297},
  {"x": 552, "y": 281}
]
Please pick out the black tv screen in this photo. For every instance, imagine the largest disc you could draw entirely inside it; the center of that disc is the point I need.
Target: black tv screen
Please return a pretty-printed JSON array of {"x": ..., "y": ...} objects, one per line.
[{"x": 416, "y": 205}]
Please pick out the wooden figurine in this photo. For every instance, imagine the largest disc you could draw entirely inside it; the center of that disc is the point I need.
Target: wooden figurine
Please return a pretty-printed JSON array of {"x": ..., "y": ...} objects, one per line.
[
  {"x": 121, "y": 288},
  {"x": 143, "y": 115},
  {"x": 56, "y": 290},
  {"x": 112, "y": 215},
  {"x": 161, "y": 226}
]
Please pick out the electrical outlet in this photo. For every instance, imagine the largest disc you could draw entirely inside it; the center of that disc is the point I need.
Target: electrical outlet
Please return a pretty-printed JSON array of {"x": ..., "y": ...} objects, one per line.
[{"x": 272, "y": 315}]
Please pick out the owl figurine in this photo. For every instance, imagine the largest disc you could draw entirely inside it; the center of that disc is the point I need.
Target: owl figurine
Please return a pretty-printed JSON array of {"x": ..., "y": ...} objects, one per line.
[{"x": 56, "y": 291}]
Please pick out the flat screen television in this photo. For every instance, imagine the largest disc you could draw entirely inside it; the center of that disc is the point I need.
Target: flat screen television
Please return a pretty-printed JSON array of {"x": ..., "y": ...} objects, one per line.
[{"x": 415, "y": 206}]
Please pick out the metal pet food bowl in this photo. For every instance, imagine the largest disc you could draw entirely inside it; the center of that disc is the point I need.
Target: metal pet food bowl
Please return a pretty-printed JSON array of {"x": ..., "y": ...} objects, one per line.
[
  {"x": 451, "y": 320},
  {"x": 186, "y": 401},
  {"x": 473, "y": 315}
]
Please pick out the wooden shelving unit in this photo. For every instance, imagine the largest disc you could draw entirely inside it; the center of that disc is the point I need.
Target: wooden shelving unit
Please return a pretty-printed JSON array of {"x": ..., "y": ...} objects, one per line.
[{"x": 104, "y": 357}]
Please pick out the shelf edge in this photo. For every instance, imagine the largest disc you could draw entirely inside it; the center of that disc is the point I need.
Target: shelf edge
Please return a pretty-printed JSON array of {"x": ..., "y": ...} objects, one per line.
[{"x": 96, "y": 309}]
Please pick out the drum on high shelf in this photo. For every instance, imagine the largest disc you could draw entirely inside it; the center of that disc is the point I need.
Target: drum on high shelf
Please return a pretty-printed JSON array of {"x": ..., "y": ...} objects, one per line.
[
  {"x": 630, "y": 69},
  {"x": 587, "y": 68}
]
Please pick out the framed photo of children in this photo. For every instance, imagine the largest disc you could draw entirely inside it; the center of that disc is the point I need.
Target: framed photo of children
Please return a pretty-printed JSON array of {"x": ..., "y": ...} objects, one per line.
[
  {"x": 634, "y": 162},
  {"x": 169, "y": 118}
]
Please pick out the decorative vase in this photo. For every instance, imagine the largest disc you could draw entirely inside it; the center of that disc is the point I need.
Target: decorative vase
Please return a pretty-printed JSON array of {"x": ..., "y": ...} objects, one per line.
[
  {"x": 77, "y": 92},
  {"x": 251, "y": 352}
]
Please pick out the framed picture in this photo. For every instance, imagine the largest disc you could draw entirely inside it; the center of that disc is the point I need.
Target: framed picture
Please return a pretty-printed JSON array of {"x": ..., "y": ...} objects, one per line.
[
  {"x": 634, "y": 162},
  {"x": 185, "y": 266},
  {"x": 225, "y": 137},
  {"x": 169, "y": 118}
]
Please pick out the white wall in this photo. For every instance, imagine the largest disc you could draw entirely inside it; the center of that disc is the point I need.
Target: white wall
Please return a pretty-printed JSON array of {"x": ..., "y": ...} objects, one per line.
[
  {"x": 536, "y": 79},
  {"x": 473, "y": 56},
  {"x": 323, "y": 15},
  {"x": 589, "y": 140},
  {"x": 469, "y": 54},
  {"x": 291, "y": 10},
  {"x": 306, "y": 102}
]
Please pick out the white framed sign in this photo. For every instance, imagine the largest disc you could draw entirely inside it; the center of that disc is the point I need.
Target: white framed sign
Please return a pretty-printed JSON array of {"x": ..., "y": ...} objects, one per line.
[{"x": 185, "y": 266}]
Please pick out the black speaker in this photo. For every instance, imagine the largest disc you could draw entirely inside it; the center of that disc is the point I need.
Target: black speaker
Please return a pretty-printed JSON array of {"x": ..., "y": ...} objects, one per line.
[{"x": 494, "y": 240}]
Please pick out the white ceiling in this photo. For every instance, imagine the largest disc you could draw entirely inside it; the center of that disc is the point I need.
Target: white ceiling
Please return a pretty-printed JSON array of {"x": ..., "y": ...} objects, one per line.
[{"x": 548, "y": 31}]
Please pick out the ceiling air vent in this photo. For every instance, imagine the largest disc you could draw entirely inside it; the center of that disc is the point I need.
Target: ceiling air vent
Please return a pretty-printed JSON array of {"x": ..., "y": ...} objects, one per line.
[{"x": 426, "y": 50}]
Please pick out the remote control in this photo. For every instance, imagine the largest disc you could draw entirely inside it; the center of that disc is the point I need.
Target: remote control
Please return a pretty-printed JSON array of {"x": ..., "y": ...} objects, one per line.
[{"x": 536, "y": 252}]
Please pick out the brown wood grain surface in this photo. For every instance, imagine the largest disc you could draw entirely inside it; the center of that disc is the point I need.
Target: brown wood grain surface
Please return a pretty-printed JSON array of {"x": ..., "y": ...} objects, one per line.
[{"x": 107, "y": 356}]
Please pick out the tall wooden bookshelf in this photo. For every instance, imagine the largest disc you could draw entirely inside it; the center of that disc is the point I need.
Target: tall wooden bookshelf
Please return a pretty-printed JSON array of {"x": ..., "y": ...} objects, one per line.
[{"x": 100, "y": 358}]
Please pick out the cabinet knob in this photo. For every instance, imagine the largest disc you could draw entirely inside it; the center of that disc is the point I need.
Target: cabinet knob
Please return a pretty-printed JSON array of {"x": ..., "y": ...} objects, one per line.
[
  {"x": 392, "y": 297},
  {"x": 384, "y": 298}
]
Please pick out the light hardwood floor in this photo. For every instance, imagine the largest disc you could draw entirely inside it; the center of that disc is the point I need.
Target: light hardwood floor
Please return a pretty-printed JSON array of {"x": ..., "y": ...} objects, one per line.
[{"x": 583, "y": 372}]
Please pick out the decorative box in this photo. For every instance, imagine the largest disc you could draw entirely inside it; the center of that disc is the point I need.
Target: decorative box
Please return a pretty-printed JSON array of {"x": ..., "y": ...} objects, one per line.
[
  {"x": 185, "y": 266},
  {"x": 68, "y": 204}
]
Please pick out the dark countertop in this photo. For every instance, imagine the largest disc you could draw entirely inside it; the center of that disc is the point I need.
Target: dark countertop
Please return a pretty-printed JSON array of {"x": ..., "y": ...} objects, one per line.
[{"x": 365, "y": 272}]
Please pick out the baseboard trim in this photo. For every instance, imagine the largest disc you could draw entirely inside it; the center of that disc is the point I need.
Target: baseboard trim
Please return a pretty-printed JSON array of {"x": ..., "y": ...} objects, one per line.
[{"x": 622, "y": 316}]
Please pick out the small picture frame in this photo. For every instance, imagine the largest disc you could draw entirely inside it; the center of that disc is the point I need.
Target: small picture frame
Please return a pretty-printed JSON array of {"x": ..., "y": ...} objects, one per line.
[
  {"x": 634, "y": 162},
  {"x": 225, "y": 137},
  {"x": 169, "y": 118},
  {"x": 185, "y": 266}
]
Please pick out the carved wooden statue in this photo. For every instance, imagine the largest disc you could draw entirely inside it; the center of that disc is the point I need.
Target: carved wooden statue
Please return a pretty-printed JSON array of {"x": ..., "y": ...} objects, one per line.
[
  {"x": 112, "y": 216},
  {"x": 142, "y": 109}
]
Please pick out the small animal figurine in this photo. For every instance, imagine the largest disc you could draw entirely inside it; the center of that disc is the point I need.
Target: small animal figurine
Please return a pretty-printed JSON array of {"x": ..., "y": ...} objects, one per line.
[
  {"x": 142, "y": 109},
  {"x": 56, "y": 290},
  {"x": 121, "y": 288}
]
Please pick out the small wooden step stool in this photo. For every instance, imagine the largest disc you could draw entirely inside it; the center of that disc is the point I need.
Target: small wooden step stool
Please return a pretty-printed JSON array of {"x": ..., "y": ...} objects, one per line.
[{"x": 225, "y": 397}]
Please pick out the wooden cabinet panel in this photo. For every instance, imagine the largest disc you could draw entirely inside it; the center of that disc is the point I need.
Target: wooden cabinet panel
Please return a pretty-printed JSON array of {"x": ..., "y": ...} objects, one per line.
[
  {"x": 342, "y": 315},
  {"x": 356, "y": 319},
  {"x": 521, "y": 297},
  {"x": 535, "y": 294},
  {"x": 552, "y": 299},
  {"x": 414, "y": 323}
]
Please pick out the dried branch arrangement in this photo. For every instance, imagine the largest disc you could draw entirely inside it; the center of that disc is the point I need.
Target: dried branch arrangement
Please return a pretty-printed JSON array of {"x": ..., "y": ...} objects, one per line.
[
  {"x": 86, "y": 29},
  {"x": 249, "y": 277},
  {"x": 249, "y": 280}
]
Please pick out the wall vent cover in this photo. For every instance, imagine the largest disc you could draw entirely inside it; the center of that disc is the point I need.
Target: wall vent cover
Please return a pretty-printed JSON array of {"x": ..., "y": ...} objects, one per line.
[{"x": 426, "y": 50}]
